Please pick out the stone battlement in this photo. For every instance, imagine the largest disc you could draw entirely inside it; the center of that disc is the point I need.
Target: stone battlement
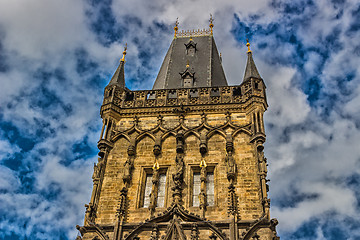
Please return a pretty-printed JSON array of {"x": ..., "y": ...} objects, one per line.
[{"x": 184, "y": 96}]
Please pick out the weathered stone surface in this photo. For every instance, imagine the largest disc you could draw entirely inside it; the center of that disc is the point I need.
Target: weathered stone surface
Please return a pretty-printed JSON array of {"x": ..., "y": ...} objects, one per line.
[{"x": 199, "y": 131}]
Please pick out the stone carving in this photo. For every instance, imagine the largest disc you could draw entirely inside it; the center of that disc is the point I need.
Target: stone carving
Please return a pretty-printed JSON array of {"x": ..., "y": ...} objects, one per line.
[
  {"x": 90, "y": 212},
  {"x": 230, "y": 166},
  {"x": 155, "y": 233},
  {"x": 194, "y": 232},
  {"x": 232, "y": 201},
  {"x": 202, "y": 195},
  {"x": 96, "y": 172},
  {"x": 154, "y": 190},
  {"x": 122, "y": 206},
  {"x": 213, "y": 236},
  {"x": 179, "y": 172},
  {"x": 128, "y": 166},
  {"x": 82, "y": 230}
]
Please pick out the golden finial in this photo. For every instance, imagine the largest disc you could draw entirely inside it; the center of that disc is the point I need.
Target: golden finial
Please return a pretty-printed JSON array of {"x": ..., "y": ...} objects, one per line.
[
  {"x": 248, "y": 45},
  {"x": 156, "y": 165},
  {"x": 124, "y": 53},
  {"x": 211, "y": 24},
  {"x": 202, "y": 163},
  {"x": 176, "y": 27},
  {"x": 187, "y": 64},
  {"x": 190, "y": 38}
]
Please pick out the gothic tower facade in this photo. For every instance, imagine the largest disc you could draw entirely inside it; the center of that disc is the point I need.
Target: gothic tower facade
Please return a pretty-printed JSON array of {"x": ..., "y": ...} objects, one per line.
[{"x": 184, "y": 160}]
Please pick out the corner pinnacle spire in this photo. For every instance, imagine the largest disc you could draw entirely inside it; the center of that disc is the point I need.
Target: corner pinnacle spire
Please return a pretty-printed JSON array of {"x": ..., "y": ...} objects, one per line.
[
  {"x": 176, "y": 28},
  {"x": 248, "y": 45},
  {"x": 211, "y": 25},
  {"x": 119, "y": 76},
  {"x": 250, "y": 70},
  {"x": 124, "y": 53}
]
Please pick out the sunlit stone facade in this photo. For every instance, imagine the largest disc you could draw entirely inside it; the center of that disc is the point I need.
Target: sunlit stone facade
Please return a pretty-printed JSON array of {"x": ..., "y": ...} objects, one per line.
[{"x": 184, "y": 160}]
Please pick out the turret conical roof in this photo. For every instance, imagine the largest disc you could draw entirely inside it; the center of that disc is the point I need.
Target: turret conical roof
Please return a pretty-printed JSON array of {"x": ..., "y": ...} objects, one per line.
[
  {"x": 119, "y": 76},
  {"x": 250, "y": 70}
]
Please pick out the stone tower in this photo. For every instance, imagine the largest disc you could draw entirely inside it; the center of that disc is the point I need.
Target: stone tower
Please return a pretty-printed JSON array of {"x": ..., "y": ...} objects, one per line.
[{"x": 184, "y": 160}]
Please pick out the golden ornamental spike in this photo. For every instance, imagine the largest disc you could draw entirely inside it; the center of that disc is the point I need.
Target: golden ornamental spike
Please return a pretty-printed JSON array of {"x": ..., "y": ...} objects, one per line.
[
  {"x": 211, "y": 24},
  {"x": 248, "y": 45},
  {"x": 176, "y": 27},
  {"x": 187, "y": 64},
  {"x": 203, "y": 163},
  {"x": 156, "y": 165},
  {"x": 124, "y": 53}
]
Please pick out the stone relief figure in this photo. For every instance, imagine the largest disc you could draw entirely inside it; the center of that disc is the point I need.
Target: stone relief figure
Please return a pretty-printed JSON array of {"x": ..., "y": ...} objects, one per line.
[
  {"x": 230, "y": 165},
  {"x": 89, "y": 212},
  {"x": 178, "y": 175},
  {"x": 97, "y": 168},
  {"x": 128, "y": 165},
  {"x": 263, "y": 163},
  {"x": 96, "y": 172}
]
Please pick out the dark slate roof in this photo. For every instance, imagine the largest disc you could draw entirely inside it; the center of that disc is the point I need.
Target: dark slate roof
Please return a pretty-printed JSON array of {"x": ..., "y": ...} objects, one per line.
[
  {"x": 119, "y": 76},
  {"x": 205, "y": 63},
  {"x": 251, "y": 70}
]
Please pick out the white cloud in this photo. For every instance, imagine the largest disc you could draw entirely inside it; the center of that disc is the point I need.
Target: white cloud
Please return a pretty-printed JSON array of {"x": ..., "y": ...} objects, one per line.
[
  {"x": 331, "y": 198},
  {"x": 42, "y": 27}
]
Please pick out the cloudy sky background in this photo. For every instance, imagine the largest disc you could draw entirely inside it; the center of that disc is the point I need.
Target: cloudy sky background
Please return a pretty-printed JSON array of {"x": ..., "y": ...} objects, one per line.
[{"x": 56, "y": 57}]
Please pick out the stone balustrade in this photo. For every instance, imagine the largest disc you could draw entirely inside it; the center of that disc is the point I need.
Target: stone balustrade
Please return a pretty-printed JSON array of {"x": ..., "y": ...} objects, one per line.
[{"x": 183, "y": 96}]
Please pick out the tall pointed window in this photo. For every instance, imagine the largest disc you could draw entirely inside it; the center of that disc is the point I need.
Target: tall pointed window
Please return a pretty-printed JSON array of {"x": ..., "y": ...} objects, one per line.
[
  {"x": 210, "y": 188},
  {"x": 161, "y": 190},
  {"x": 210, "y": 196},
  {"x": 196, "y": 189},
  {"x": 148, "y": 188}
]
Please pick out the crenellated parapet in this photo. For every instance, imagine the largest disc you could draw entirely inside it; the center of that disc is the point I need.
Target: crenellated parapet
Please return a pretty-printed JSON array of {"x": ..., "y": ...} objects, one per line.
[{"x": 241, "y": 96}]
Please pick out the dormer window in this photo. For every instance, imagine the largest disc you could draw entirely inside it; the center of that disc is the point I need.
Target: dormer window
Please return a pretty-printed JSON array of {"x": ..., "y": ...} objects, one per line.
[
  {"x": 190, "y": 47},
  {"x": 188, "y": 81},
  {"x": 188, "y": 77}
]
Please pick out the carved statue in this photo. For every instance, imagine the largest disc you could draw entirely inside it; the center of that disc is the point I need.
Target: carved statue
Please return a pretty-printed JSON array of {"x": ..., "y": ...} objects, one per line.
[
  {"x": 96, "y": 172},
  {"x": 178, "y": 175},
  {"x": 90, "y": 211},
  {"x": 230, "y": 164},
  {"x": 97, "y": 168},
  {"x": 128, "y": 165}
]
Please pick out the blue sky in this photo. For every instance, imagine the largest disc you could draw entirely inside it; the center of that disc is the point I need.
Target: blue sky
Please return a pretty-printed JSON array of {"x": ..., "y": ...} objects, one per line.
[{"x": 56, "y": 57}]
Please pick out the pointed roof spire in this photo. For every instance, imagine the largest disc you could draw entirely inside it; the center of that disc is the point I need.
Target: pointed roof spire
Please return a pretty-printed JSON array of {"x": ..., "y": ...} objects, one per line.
[
  {"x": 119, "y": 75},
  {"x": 250, "y": 70}
]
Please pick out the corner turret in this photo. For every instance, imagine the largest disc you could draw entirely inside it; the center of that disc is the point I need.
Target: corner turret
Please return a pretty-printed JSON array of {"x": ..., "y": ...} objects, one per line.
[
  {"x": 250, "y": 70},
  {"x": 118, "y": 78}
]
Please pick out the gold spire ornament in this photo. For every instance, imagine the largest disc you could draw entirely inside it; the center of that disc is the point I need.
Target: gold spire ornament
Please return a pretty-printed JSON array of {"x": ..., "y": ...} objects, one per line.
[
  {"x": 248, "y": 45},
  {"x": 124, "y": 53},
  {"x": 187, "y": 64},
  {"x": 211, "y": 25},
  {"x": 176, "y": 27},
  {"x": 156, "y": 165},
  {"x": 203, "y": 163}
]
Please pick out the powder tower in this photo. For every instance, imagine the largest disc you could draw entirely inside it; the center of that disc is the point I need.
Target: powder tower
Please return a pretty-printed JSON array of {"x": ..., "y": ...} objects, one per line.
[{"x": 184, "y": 160}]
